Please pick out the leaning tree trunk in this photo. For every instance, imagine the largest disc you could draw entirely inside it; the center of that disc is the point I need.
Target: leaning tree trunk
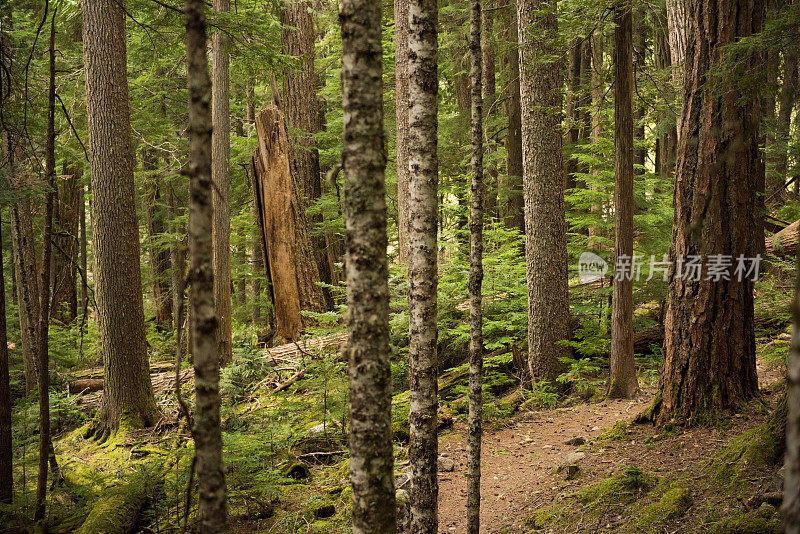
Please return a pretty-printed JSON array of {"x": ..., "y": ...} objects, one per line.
[
  {"x": 543, "y": 179},
  {"x": 289, "y": 259},
  {"x": 115, "y": 230},
  {"x": 401, "y": 112},
  {"x": 515, "y": 204},
  {"x": 367, "y": 270},
  {"x": 220, "y": 168},
  {"x": 475, "y": 277},
  {"x": 206, "y": 432},
  {"x": 623, "y": 383},
  {"x": 709, "y": 359},
  {"x": 422, "y": 263}
]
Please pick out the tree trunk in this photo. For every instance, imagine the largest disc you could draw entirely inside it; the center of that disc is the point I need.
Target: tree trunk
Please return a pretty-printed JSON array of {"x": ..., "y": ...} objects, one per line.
[
  {"x": 666, "y": 144},
  {"x": 544, "y": 180},
  {"x": 678, "y": 30},
  {"x": 489, "y": 102},
  {"x": 65, "y": 269},
  {"x": 83, "y": 253},
  {"x": 299, "y": 106},
  {"x": 115, "y": 230},
  {"x": 220, "y": 169},
  {"x": 27, "y": 288},
  {"x": 791, "y": 484},
  {"x": 710, "y": 345},
  {"x": 401, "y": 111},
  {"x": 787, "y": 102},
  {"x": 159, "y": 255},
  {"x": 206, "y": 432},
  {"x": 367, "y": 271},
  {"x": 515, "y": 203},
  {"x": 6, "y": 449},
  {"x": 597, "y": 81},
  {"x": 623, "y": 383},
  {"x": 475, "y": 278},
  {"x": 44, "y": 305},
  {"x": 289, "y": 260},
  {"x": 422, "y": 263}
]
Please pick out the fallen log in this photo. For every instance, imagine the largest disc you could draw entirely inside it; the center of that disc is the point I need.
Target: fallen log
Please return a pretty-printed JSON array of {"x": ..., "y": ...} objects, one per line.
[
  {"x": 784, "y": 243},
  {"x": 86, "y": 385},
  {"x": 291, "y": 381},
  {"x": 117, "y": 510}
]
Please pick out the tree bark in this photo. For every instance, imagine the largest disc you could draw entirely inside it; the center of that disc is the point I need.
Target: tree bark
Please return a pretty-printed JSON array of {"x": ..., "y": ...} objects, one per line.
[
  {"x": 44, "y": 305},
  {"x": 401, "y": 107},
  {"x": 115, "y": 230},
  {"x": 367, "y": 271},
  {"x": 791, "y": 483},
  {"x": 515, "y": 203},
  {"x": 206, "y": 432},
  {"x": 27, "y": 288},
  {"x": 490, "y": 182},
  {"x": 6, "y": 449},
  {"x": 678, "y": 31},
  {"x": 65, "y": 269},
  {"x": 623, "y": 383},
  {"x": 597, "y": 109},
  {"x": 544, "y": 180},
  {"x": 787, "y": 102},
  {"x": 220, "y": 175},
  {"x": 710, "y": 345},
  {"x": 292, "y": 269},
  {"x": 159, "y": 255},
  {"x": 422, "y": 263},
  {"x": 475, "y": 431}
]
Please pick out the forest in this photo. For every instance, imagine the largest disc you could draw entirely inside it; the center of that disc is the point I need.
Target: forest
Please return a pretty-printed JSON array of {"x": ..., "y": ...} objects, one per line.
[{"x": 422, "y": 266}]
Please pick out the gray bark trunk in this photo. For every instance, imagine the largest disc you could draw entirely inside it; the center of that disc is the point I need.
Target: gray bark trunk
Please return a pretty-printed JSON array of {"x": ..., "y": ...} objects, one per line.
[
  {"x": 401, "y": 96},
  {"x": 422, "y": 263},
  {"x": 366, "y": 270},
  {"x": 475, "y": 277}
]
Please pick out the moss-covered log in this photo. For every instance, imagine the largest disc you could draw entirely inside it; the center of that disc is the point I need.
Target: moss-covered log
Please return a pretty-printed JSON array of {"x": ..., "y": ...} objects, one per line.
[{"x": 117, "y": 510}]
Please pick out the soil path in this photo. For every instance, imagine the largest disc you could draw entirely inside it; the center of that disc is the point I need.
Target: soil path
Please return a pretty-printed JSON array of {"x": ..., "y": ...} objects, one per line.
[{"x": 519, "y": 462}]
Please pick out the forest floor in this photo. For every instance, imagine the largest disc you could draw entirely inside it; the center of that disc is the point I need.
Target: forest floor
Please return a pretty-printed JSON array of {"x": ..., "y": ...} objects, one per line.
[{"x": 520, "y": 461}]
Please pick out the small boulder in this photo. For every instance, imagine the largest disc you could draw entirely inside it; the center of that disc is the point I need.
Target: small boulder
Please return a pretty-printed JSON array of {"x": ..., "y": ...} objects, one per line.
[
  {"x": 570, "y": 460},
  {"x": 446, "y": 465},
  {"x": 576, "y": 441}
]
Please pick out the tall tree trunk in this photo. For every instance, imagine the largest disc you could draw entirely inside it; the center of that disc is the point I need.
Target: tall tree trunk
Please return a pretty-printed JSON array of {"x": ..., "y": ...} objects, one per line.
[
  {"x": 597, "y": 109},
  {"x": 571, "y": 109},
  {"x": 667, "y": 142},
  {"x": 82, "y": 248},
  {"x": 544, "y": 180},
  {"x": 220, "y": 169},
  {"x": 65, "y": 259},
  {"x": 475, "y": 278},
  {"x": 401, "y": 112},
  {"x": 27, "y": 288},
  {"x": 678, "y": 31},
  {"x": 6, "y": 449},
  {"x": 791, "y": 482},
  {"x": 207, "y": 433},
  {"x": 422, "y": 263},
  {"x": 44, "y": 305},
  {"x": 367, "y": 271},
  {"x": 115, "y": 230},
  {"x": 515, "y": 203},
  {"x": 490, "y": 100},
  {"x": 623, "y": 384},
  {"x": 299, "y": 106},
  {"x": 159, "y": 255},
  {"x": 710, "y": 345},
  {"x": 787, "y": 102}
]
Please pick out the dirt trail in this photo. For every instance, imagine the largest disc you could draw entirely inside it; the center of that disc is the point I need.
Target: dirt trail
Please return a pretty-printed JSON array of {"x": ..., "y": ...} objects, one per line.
[{"x": 519, "y": 462}]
